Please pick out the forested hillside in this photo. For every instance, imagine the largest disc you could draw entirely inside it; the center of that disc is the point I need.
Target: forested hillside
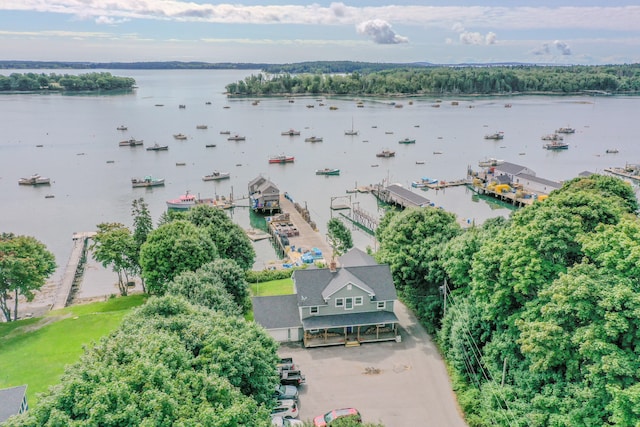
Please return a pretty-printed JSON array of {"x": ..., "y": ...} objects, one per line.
[
  {"x": 18, "y": 82},
  {"x": 448, "y": 80},
  {"x": 538, "y": 316}
]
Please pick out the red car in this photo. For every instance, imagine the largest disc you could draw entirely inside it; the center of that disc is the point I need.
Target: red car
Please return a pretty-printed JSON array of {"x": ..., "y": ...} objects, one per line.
[{"x": 331, "y": 416}]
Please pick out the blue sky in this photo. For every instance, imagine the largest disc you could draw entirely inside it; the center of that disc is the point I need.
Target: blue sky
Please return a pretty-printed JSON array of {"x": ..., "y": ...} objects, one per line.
[{"x": 280, "y": 31}]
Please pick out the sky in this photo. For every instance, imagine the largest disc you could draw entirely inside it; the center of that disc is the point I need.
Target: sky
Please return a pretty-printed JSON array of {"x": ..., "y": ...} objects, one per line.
[{"x": 586, "y": 32}]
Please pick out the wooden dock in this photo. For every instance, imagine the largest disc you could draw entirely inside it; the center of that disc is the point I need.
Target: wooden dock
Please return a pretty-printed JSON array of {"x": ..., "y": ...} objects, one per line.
[
  {"x": 76, "y": 259},
  {"x": 299, "y": 233},
  {"x": 398, "y": 195}
]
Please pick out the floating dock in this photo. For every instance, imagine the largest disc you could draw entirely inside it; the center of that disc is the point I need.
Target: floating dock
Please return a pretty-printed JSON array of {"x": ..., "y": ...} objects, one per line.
[{"x": 398, "y": 195}]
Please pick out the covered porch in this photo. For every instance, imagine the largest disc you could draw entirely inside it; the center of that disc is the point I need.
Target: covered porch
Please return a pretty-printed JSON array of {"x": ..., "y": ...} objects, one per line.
[{"x": 350, "y": 329}]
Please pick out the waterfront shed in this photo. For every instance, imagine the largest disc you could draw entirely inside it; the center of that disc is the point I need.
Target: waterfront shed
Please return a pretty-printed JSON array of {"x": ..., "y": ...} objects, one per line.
[{"x": 264, "y": 195}]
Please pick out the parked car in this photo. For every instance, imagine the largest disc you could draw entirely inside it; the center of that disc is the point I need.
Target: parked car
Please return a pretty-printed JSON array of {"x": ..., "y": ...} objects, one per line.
[
  {"x": 285, "y": 409},
  {"x": 292, "y": 378},
  {"x": 286, "y": 364},
  {"x": 278, "y": 421},
  {"x": 283, "y": 392},
  {"x": 331, "y": 416}
]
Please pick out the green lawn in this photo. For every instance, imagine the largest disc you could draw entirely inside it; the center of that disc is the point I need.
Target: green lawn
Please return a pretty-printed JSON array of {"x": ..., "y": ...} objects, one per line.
[
  {"x": 35, "y": 351},
  {"x": 274, "y": 287}
]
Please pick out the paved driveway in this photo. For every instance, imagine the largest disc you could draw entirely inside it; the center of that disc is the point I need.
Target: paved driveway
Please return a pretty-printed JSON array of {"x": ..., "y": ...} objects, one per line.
[{"x": 410, "y": 389}]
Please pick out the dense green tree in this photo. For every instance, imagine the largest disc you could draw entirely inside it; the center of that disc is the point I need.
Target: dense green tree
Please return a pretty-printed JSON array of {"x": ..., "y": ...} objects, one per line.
[
  {"x": 142, "y": 226},
  {"x": 231, "y": 240},
  {"x": 113, "y": 245},
  {"x": 162, "y": 380},
  {"x": 206, "y": 290},
  {"x": 228, "y": 273},
  {"x": 25, "y": 264},
  {"x": 171, "y": 249},
  {"x": 412, "y": 242},
  {"x": 339, "y": 236}
]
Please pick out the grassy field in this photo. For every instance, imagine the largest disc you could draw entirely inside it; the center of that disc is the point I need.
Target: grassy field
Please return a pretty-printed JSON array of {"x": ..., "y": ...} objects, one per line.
[
  {"x": 35, "y": 351},
  {"x": 274, "y": 287}
]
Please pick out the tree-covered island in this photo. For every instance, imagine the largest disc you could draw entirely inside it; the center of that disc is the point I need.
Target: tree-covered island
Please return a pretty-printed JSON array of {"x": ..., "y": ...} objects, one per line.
[
  {"x": 32, "y": 82},
  {"x": 450, "y": 80}
]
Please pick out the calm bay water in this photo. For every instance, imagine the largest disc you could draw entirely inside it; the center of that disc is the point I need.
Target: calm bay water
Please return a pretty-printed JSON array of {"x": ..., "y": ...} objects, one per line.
[{"x": 79, "y": 137}]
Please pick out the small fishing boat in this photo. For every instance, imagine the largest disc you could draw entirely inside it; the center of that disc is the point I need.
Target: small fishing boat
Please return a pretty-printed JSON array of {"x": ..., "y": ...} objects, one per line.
[
  {"x": 131, "y": 142},
  {"x": 565, "y": 130},
  {"x": 202, "y": 127},
  {"x": 552, "y": 137},
  {"x": 158, "y": 147},
  {"x": 225, "y": 132},
  {"x": 236, "y": 137},
  {"x": 216, "y": 175},
  {"x": 34, "y": 179},
  {"x": 328, "y": 171},
  {"x": 281, "y": 159},
  {"x": 181, "y": 163},
  {"x": 419, "y": 162},
  {"x": 407, "y": 141},
  {"x": 290, "y": 132},
  {"x": 180, "y": 136},
  {"x": 182, "y": 106},
  {"x": 386, "y": 153},
  {"x": 185, "y": 201},
  {"x": 147, "y": 181},
  {"x": 611, "y": 151},
  {"x": 313, "y": 139},
  {"x": 122, "y": 127},
  {"x": 490, "y": 162},
  {"x": 210, "y": 145},
  {"x": 556, "y": 145},
  {"x": 495, "y": 136}
]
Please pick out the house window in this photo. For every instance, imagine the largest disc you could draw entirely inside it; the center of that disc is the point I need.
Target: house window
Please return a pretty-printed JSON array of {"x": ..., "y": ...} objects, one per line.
[
  {"x": 313, "y": 310},
  {"x": 358, "y": 301},
  {"x": 348, "y": 303},
  {"x": 339, "y": 302},
  {"x": 382, "y": 305}
]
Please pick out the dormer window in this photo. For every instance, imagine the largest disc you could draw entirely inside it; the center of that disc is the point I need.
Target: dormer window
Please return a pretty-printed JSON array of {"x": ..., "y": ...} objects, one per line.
[
  {"x": 381, "y": 305},
  {"x": 313, "y": 310}
]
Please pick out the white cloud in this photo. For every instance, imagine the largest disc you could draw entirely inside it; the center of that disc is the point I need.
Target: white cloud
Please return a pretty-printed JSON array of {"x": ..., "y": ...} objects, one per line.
[
  {"x": 562, "y": 47},
  {"x": 473, "y": 38},
  {"x": 619, "y": 18},
  {"x": 380, "y": 32},
  {"x": 107, "y": 20}
]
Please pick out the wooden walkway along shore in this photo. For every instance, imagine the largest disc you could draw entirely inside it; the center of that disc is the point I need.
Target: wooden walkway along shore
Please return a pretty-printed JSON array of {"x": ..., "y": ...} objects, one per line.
[
  {"x": 306, "y": 237},
  {"x": 77, "y": 255}
]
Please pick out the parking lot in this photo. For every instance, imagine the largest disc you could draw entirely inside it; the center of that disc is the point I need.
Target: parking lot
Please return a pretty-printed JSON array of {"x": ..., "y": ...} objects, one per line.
[{"x": 397, "y": 384}]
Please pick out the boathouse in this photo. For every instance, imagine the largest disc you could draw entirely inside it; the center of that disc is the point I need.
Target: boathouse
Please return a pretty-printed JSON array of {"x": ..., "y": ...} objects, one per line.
[
  {"x": 522, "y": 175},
  {"x": 264, "y": 195},
  {"x": 339, "y": 305}
]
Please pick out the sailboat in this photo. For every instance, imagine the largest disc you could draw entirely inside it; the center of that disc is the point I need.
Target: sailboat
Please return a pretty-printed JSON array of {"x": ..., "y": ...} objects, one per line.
[{"x": 352, "y": 131}]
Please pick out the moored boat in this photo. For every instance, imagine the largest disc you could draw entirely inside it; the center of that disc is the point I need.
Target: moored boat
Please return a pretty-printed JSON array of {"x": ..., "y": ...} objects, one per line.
[
  {"x": 132, "y": 142},
  {"x": 328, "y": 171},
  {"x": 158, "y": 147},
  {"x": 147, "y": 181},
  {"x": 386, "y": 153},
  {"x": 210, "y": 145},
  {"x": 290, "y": 132},
  {"x": 34, "y": 179},
  {"x": 490, "y": 162},
  {"x": 565, "y": 130},
  {"x": 407, "y": 141},
  {"x": 185, "y": 201},
  {"x": 121, "y": 127},
  {"x": 612, "y": 151},
  {"x": 281, "y": 159},
  {"x": 179, "y": 136},
  {"x": 313, "y": 139},
  {"x": 552, "y": 137},
  {"x": 202, "y": 127},
  {"x": 495, "y": 136},
  {"x": 216, "y": 175},
  {"x": 225, "y": 132},
  {"x": 556, "y": 145},
  {"x": 236, "y": 137}
]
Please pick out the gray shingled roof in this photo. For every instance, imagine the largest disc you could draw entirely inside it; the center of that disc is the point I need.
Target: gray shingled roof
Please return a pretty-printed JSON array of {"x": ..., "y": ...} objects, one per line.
[
  {"x": 543, "y": 181},
  {"x": 350, "y": 319},
  {"x": 356, "y": 257},
  {"x": 11, "y": 401},
  {"x": 276, "y": 312},
  {"x": 510, "y": 168},
  {"x": 341, "y": 277},
  {"x": 310, "y": 284}
]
